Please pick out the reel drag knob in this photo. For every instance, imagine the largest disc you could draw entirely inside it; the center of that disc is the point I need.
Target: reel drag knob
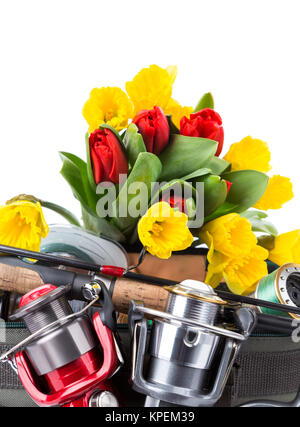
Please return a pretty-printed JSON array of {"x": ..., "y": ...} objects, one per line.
[{"x": 103, "y": 399}]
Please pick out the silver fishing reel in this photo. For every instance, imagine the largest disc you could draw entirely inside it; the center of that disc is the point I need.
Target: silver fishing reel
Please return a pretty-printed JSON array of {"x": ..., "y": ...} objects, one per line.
[{"x": 191, "y": 350}]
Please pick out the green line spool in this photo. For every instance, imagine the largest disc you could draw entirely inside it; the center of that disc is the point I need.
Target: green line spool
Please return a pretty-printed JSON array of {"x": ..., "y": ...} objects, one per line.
[{"x": 281, "y": 287}]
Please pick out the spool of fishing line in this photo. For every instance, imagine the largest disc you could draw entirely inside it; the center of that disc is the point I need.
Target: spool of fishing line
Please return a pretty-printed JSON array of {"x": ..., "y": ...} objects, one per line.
[{"x": 281, "y": 286}]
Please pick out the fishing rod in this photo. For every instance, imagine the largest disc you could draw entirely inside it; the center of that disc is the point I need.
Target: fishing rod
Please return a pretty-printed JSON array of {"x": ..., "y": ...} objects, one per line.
[{"x": 119, "y": 272}]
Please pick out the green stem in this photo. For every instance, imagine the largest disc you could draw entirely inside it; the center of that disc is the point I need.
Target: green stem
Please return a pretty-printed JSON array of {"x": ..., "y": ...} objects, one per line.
[
  {"x": 62, "y": 211},
  {"x": 53, "y": 206}
]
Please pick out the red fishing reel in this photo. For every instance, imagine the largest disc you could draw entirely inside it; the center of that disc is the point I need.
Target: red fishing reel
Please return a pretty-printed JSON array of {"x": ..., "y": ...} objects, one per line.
[{"x": 68, "y": 358}]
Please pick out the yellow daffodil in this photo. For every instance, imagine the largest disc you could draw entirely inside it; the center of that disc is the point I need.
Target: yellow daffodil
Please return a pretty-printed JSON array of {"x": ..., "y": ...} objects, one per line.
[
  {"x": 177, "y": 111},
  {"x": 243, "y": 274},
  {"x": 278, "y": 192},
  {"x": 249, "y": 153},
  {"x": 286, "y": 248},
  {"x": 240, "y": 273},
  {"x": 151, "y": 86},
  {"x": 107, "y": 105},
  {"x": 22, "y": 224},
  {"x": 162, "y": 230},
  {"x": 231, "y": 234},
  {"x": 233, "y": 253}
]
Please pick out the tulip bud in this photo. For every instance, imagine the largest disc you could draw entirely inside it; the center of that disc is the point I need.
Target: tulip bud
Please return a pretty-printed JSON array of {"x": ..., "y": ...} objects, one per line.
[
  {"x": 206, "y": 123},
  {"x": 181, "y": 204},
  {"x": 107, "y": 157},
  {"x": 175, "y": 202},
  {"x": 229, "y": 185},
  {"x": 154, "y": 127}
]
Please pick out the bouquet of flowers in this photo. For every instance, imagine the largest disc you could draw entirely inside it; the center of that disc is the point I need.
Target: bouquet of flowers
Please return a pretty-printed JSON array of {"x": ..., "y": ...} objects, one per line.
[{"x": 155, "y": 172}]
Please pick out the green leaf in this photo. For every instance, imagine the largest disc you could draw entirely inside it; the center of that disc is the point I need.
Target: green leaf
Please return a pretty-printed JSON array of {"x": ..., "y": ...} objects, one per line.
[
  {"x": 196, "y": 174},
  {"x": 146, "y": 170},
  {"x": 90, "y": 174},
  {"x": 254, "y": 214},
  {"x": 134, "y": 143},
  {"x": 101, "y": 226},
  {"x": 184, "y": 155},
  {"x": 215, "y": 193},
  {"x": 248, "y": 186},
  {"x": 175, "y": 183},
  {"x": 264, "y": 227},
  {"x": 258, "y": 222},
  {"x": 218, "y": 166},
  {"x": 207, "y": 101},
  {"x": 74, "y": 170}
]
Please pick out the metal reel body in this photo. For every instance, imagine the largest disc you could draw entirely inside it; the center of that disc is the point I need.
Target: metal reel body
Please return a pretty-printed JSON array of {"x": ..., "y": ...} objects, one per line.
[{"x": 190, "y": 357}]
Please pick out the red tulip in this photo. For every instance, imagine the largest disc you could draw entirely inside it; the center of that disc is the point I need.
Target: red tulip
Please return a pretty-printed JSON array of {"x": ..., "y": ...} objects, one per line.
[
  {"x": 175, "y": 202},
  {"x": 206, "y": 123},
  {"x": 229, "y": 184},
  {"x": 154, "y": 127},
  {"x": 107, "y": 157}
]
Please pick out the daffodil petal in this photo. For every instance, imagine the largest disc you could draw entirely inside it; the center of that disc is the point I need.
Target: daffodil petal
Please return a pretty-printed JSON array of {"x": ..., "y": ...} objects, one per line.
[
  {"x": 278, "y": 192},
  {"x": 151, "y": 86},
  {"x": 177, "y": 111},
  {"x": 286, "y": 248},
  {"x": 249, "y": 153}
]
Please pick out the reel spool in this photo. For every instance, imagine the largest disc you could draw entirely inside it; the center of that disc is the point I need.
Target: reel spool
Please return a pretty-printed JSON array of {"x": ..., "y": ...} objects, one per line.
[
  {"x": 67, "y": 358},
  {"x": 281, "y": 286},
  {"x": 190, "y": 355},
  {"x": 75, "y": 242}
]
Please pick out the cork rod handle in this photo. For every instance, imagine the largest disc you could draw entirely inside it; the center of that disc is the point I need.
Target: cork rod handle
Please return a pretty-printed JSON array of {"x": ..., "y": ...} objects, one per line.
[
  {"x": 22, "y": 280},
  {"x": 18, "y": 279},
  {"x": 126, "y": 290}
]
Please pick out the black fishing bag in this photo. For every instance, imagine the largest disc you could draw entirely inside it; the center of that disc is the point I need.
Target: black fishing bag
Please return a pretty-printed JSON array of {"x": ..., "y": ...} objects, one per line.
[{"x": 267, "y": 367}]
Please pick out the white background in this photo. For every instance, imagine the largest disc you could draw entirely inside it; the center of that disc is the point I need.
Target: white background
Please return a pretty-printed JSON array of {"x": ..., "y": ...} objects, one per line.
[{"x": 52, "y": 53}]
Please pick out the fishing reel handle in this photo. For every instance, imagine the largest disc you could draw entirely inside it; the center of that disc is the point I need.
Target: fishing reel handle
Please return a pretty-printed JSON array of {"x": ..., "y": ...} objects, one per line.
[{"x": 21, "y": 277}]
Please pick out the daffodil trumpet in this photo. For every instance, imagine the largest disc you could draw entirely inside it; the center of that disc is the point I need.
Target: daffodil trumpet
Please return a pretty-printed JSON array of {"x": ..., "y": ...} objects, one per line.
[{"x": 22, "y": 224}]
